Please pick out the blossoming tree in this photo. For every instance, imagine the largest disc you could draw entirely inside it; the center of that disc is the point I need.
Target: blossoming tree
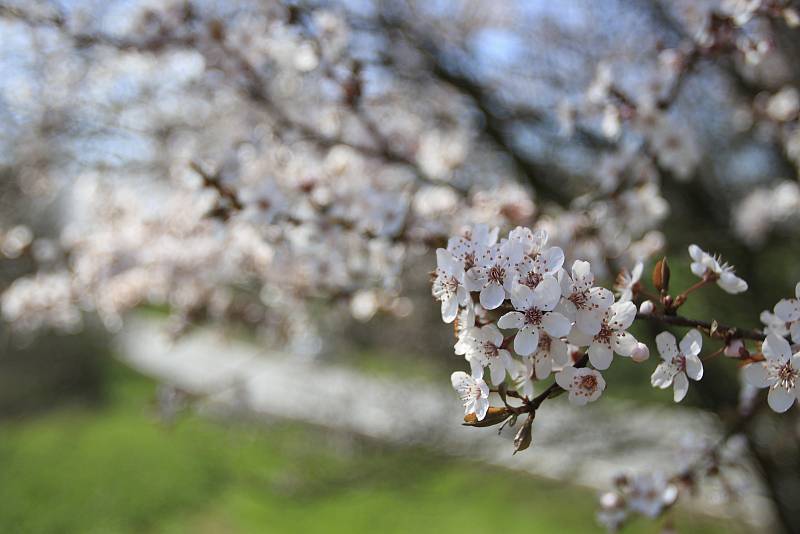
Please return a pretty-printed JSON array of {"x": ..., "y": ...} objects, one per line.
[{"x": 239, "y": 163}]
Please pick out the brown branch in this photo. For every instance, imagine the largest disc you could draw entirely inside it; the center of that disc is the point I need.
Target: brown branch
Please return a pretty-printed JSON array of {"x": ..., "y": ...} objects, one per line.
[{"x": 711, "y": 329}]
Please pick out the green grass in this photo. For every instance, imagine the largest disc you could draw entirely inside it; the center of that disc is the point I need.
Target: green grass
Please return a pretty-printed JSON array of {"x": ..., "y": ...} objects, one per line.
[{"x": 116, "y": 470}]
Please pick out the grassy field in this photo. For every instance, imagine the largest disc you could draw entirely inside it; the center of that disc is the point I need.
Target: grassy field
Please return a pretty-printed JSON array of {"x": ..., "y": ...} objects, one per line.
[{"x": 115, "y": 469}]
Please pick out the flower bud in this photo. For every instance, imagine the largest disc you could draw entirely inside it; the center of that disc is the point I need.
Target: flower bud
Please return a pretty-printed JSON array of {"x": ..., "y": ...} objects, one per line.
[
  {"x": 661, "y": 275},
  {"x": 525, "y": 435},
  {"x": 647, "y": 307},
  {"x": 640, "y": 353},
  {"x": 493, "y": 416},
  {"x": 734, "y": 348}
]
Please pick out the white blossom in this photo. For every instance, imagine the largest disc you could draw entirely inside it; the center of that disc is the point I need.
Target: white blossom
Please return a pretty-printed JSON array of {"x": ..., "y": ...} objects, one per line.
[
  {"x": 473, "y": 392},
  {"x": 678, "y": 363},
  {"x": 611, "y": 337},
  {"x": 448, "y": 284},
  {"x": 551, "y": 353},
  {"x": 582, "y": 302},
  {"x": 627, "y": 282},
  {"x": 780, "y": 373},
  {"x": 787, "y": 311},
  {"x": 494, "y": 273},
  {"x": 583, "y": 385},
  {"x": 522, "y": 375},
  {"x": 484, "y": 349},
  {"x": 704, "y": 264},
  {"x": 534, "y": 314}
]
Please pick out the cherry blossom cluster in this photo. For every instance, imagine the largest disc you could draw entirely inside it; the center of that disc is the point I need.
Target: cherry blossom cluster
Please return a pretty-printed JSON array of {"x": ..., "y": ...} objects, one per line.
[{"x": 521, "y": 315}]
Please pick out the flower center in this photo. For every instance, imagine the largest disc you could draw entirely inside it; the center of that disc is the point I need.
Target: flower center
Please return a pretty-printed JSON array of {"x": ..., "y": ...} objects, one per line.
[
  {"x": 533, "y": 316},
  {"x": 469, "y": 260},
  {"x": 679, "y": 362},
  {"x": 490, "y": 349},
  {"x": 604, "y": 335},
  {"x": 496, "y": 274},
  {"x": 588, "y": 382},
  {"x": 532, "y": 280},
  {"x": 786, "y": 376},
  {"x": 579, "y": 299}
]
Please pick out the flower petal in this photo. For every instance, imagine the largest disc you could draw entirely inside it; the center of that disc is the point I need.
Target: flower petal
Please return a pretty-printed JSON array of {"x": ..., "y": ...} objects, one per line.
[
  {"x": 589, "y": 322},
  {"x": 780, "y": 399},
  {"x": 755, "y": 374},
  {"x": 547, "y": 294},
  {"x": 776, "y": 348},
  {"x": 556, "y": 324},
  {"x": 511, "y": 320},
  {"x": 526, "y": 340},
  {"x": 731, "y": 283},
  {"x": 564, "y": 377},
  {"x": 788, "y": 310},
  {"x": 681, "y": 387},
  {"x": 694, "y": 367},
  {"x": 667, "y": 346},
  {"x": 692, "y": 343},
  {"x": 492, "y": 296},
  {"x": 449, "y": 309},
  {"x": 662, "y": 376},
  {"x": 624, "y": 343},
  {"x": 600, "y": 356}
]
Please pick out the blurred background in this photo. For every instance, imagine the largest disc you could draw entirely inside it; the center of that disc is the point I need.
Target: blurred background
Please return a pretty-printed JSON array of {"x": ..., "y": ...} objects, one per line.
[{"x": 174, "y": 361}]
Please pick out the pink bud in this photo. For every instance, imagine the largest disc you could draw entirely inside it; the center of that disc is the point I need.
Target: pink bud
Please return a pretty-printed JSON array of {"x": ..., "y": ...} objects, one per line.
[
  {"x": 646, "y": 307},
  {"x": 640, "y": 353},
  {"x": 733, "y": 348}
]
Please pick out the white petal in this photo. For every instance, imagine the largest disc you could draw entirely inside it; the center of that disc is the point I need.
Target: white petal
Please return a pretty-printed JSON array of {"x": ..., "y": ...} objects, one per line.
[
  {"x": 681, "y": 387},
  {"x": 497, "y": 371},
  {"x": 696, "y": 253},
  {"x": 564, "y": 377},
  {"x": 780, "y": 400},
  {"x": 547, "y": 294},
  {"x": 579, "y": 338},
  {"x": 556, "y": 324},
  {"x": 623, "y": 314},
  {"x": 481, "y": 407},
  {"x": 521, "y": 297},
  {"x": 526, "y": 340},
  {"x": 458, "y": 379},
  {"x": 601, "y": 297},
  {"x": 731, "y": 283},
  {"x": 589, "y": 322},
  {"x": 492, "y": 296},
  {"x": 577, "y": 400},
  {"x": 582, "y": 272},
  {"x": 694, "y": 367},
  {"x": 552, "y": 260},
  {"x": 511, "y": 320},
  {"x": 624, "y": 343},
  {"x": 449, "y": 309},
  {"x": 776, "y": 348},
  {"x": 797, "y": 290},
  {"x": 559, "y": 352},
  {"x": 493, "y": 334},
  {"x": 662, "y": 376},
  {"x": 600, "y": 356},
  {"x": 543, "y": 366},
  {"x": 698, "y": 269},
  {"x": 794, "y": 330},
  {"x": 667, "y": 347},
  {"x": 477, "y": 369},
  {"x": 788, "y": 310},
  {"x": 692, "y": 343},
  {"x": 636, "y": 273},
  {"x": 755, "y": 374}
]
